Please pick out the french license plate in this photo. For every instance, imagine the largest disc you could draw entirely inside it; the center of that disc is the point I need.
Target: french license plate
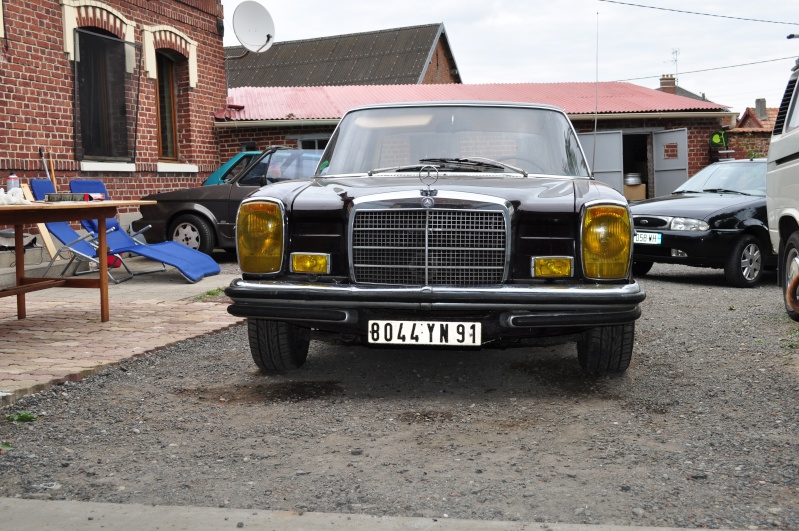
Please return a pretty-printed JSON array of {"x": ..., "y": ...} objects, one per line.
[
  {"x": 647, "y": 238},
  {"x": 461, "y": 334}
]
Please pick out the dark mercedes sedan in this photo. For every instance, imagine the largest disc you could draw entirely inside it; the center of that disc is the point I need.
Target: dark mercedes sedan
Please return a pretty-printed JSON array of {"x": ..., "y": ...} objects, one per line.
[
  {"x": 441, "y": 225},
  {"x": 717, "y": 219}
]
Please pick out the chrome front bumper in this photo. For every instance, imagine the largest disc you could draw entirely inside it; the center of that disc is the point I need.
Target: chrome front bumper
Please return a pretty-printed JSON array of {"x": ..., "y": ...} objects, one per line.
[{"x": 517, "y": 306}]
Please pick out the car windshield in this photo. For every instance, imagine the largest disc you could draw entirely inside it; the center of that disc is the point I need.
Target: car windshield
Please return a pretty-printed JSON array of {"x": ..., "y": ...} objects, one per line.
[
  {"x": 455, "y": 138},
  {"x": 746, "y": 177},
  {"x": 281, "y": 165}
]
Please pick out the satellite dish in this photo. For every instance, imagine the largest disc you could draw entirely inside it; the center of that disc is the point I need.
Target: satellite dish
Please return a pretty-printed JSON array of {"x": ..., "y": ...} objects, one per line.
[{"x": 253, "y": 26}]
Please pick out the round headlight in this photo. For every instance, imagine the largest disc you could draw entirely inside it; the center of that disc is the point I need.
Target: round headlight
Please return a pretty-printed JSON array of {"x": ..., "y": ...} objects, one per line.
[{"x": 606, "y": 234}]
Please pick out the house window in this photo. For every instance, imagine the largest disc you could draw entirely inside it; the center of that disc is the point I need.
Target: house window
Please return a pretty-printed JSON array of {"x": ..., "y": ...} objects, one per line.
[
  {"x": 167, "y": 109},
  {"x": 310, "y": 141},
  {"x": 106, "y": 97}
]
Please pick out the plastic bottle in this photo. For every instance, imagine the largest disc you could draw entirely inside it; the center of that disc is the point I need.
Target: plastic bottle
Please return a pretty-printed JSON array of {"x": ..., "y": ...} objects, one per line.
[{"x": 12, "y": 182}]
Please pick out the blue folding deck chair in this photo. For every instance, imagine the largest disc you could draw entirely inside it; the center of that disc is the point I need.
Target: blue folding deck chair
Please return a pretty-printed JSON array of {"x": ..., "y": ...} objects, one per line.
[
  {"x": 74, "y": 246},
  {"x": 192, "y": 264}
]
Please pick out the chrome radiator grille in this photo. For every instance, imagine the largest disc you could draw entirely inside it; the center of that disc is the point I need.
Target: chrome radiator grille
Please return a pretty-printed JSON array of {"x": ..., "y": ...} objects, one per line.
[{"x": 429, "y": 247}]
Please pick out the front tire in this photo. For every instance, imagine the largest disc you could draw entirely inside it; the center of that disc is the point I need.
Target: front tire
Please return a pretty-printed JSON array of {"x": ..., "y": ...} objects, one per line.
[
  {"x": 641, "y": 268},
  {"x": 744, "y": 267},
  {"x": 194, "y": 232},
  {"x": 277, "y": 346},
  {"x": 790, "y": 268},
  {"x": 606, "y": 349}
]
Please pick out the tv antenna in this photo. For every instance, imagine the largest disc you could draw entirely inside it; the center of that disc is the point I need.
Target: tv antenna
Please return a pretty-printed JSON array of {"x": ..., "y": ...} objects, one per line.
[{"x": 254, "y": 27}]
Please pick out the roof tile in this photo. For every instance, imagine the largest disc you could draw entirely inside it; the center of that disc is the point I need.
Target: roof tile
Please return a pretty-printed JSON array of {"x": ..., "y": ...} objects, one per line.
[{"x": 393, "y": 56}]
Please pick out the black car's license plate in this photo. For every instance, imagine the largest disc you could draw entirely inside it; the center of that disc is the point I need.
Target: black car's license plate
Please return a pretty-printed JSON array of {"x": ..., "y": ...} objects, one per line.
[
  {"x": 425, "y": 333},
  {"x": 648, "y": 238}
]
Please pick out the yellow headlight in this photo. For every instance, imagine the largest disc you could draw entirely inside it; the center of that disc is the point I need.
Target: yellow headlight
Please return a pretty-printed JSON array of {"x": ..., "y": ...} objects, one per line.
[
  {"x": 259, "y": 237},
  {"x": 606, "y": 234},
  {"x": 316, "y": 263}
]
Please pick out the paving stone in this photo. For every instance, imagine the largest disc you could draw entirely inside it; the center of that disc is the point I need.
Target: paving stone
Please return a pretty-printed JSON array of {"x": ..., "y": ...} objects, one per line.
[{"x": 65, "y": 341}]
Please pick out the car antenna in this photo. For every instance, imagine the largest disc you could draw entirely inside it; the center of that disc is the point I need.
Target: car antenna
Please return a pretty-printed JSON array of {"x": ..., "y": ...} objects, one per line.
[{"x": 596, "y": 97}]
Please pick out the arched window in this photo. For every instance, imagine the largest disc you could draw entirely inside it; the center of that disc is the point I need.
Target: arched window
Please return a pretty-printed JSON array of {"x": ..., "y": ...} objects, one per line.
[
  {"x": 166, "y": 92},
  {"x": 170, "y": 58}
]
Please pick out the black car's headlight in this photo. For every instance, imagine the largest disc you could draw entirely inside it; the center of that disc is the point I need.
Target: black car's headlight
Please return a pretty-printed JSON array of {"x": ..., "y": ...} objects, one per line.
[
  {"x": 688, "y": 224},
  {"x": 606, "y": 236},
  {"x": 259, "y": 236}
]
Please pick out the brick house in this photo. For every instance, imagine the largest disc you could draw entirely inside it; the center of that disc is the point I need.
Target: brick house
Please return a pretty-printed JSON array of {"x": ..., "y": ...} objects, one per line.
[
  {"x": 752, "y": 133},
  {"x": 664, "y": 137},
  {"x": 118, "y": 90}
]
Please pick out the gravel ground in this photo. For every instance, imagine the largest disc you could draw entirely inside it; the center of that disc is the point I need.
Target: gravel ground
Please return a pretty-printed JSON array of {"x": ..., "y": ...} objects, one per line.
[{"x": 701, "y": 431}]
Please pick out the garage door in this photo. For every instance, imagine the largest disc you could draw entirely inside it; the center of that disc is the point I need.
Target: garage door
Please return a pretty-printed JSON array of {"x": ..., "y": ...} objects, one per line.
[
  {"x": 609, "y": 167},
  {"x": 671, "y": 160}
]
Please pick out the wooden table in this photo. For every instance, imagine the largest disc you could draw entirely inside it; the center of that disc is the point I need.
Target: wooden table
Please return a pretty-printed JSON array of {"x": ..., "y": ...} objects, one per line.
[{"x": 40, "y": 212}]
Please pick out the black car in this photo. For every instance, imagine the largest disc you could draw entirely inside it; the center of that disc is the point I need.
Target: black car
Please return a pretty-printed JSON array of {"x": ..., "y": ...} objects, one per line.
[
  {"x": 442, "y": 224},
  {"x": 717, "y": 218},
  {"x": 204, "y": 217}
]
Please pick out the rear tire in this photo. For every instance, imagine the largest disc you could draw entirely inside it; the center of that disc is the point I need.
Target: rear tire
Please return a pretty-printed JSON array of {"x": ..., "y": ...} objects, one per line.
[
  {"x": 606, "y": 349},
  {"x": 744, "y": 266},
  {"x": 277, "y": 346},
  {"x": 194, "y": 232},
  {"x": 790, "y": 268},
  {"x": 641, "y": 268}
]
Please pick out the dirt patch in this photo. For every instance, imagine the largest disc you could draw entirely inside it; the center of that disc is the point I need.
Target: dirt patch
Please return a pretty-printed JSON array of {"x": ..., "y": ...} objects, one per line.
[{"x": 260, "y": 393}]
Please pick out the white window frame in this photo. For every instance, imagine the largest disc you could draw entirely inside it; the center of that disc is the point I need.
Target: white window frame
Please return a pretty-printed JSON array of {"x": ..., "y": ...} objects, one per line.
[
  {"x": 70, "y": 9},
  {"x": 300, "y": 138}
]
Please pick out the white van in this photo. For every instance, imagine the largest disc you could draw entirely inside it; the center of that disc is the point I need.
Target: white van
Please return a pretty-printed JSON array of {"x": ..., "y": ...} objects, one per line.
[{"x": 782, "y": 186}]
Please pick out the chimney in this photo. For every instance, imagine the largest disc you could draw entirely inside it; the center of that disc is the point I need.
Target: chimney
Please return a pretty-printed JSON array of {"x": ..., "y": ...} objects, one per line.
[
  {"x": 760, "y": 109},
  {"x": 668, "y": 84}
]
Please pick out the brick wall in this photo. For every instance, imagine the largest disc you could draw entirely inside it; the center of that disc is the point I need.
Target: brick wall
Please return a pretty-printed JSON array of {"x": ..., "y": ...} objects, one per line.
[
  {"x": 37, "y": 93},
  {"x": 441, "y": 68},
  {"x": 746, "y": 145}
]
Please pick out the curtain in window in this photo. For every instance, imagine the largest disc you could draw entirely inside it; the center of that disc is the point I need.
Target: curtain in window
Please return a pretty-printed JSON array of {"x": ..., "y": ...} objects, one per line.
[{"x": 106, "y": 98}]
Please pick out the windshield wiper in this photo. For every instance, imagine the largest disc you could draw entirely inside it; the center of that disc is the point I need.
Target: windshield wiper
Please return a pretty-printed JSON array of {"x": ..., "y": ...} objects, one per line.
[
  {"x": 410, "y": 167},
  {"x": 723, "y": 191},
  {"x": 475, "y": 162},
  {"x": 442, "y": 162}
]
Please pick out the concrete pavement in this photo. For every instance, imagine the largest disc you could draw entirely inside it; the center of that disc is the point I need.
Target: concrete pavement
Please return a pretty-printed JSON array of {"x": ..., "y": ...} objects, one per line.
[{"x": 23, "y": 515}]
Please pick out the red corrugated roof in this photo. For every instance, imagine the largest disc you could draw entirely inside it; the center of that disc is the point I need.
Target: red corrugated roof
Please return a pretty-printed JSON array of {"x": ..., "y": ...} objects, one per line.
[{"x": 331, "y": 102}]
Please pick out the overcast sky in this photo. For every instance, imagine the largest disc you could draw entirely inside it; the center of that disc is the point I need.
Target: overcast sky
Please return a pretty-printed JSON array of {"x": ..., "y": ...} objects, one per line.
[{"x": 537, "y": 41}]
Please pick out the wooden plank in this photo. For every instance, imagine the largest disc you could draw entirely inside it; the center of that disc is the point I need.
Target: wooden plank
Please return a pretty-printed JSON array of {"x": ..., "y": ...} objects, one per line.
[
  {"x": 34, "y": 286},
  {"x": 46, "y": 238}
]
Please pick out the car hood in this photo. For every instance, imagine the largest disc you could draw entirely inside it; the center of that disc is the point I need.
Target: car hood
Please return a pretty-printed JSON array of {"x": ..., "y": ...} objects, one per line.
[
  {"x": 550, "y": 194},
  {"x": 692, "y": 205}
]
